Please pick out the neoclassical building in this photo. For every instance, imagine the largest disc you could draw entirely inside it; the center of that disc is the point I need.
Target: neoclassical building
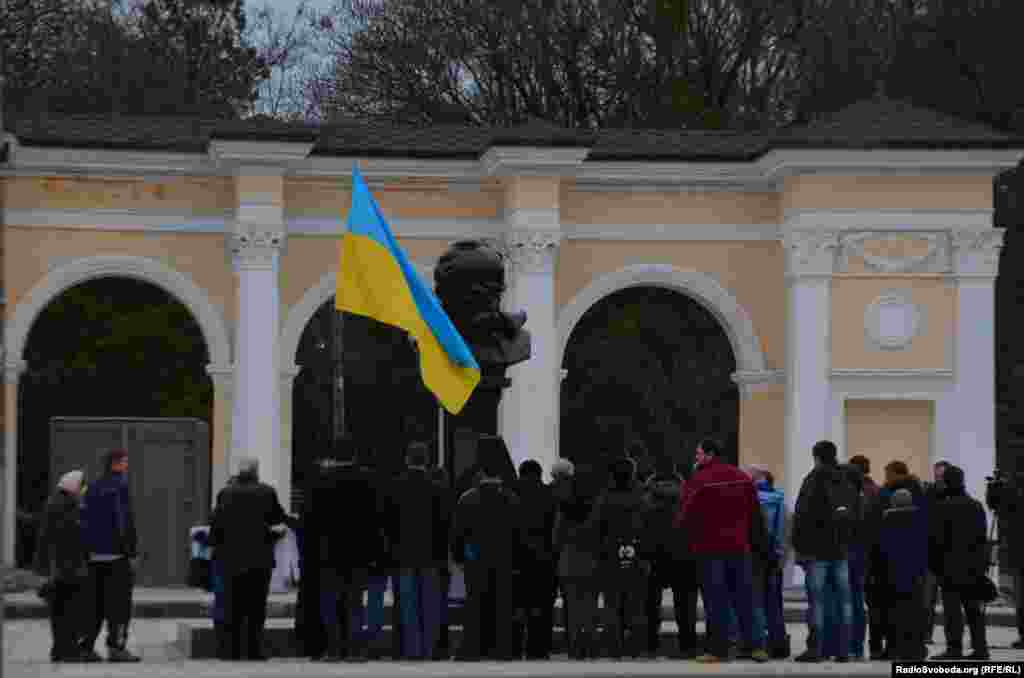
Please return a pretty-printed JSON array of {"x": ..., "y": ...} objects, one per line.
[{"x": 851, "y": 263}]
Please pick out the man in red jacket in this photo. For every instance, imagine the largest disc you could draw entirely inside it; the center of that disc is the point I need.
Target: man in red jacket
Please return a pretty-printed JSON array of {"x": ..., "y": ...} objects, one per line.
[{"x": 717, "y": 507}]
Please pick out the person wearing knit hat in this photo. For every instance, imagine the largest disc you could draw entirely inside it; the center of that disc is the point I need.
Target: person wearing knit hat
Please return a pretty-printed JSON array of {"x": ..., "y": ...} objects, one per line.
[{"x": 61, "y": 557}]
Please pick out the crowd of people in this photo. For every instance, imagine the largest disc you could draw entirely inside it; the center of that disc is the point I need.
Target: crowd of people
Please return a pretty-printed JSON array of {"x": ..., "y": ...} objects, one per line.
[{"x": 874, "y": 559}]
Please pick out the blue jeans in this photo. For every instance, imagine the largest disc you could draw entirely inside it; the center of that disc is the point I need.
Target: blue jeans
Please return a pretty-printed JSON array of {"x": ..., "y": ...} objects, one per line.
[
  {"x": 420, "y": 608},
  {"x": 829, "y": 584},
  {"x": 727, "y": 584},
  {"x": 769, "y": 623},
  {"x": 859, "y": 628},
  {"x": 373, "y": 613},
  {"x": 341, "y": 602}
]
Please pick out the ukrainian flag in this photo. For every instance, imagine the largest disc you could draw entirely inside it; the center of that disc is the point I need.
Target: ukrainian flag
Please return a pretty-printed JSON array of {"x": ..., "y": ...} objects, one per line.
[{"x": 376, "y": 280}]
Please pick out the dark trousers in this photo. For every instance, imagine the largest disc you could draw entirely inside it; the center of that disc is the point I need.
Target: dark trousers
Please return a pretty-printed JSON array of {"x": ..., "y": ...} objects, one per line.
[
  {"x": 681, "y": 577},
  {"x": 954, "y": 607},
  {"x": 67, "y": 620},
  {"x": 341, "y": 609},
  {"x": 726, "y": 583},
  {"x": 579, "y": 596},
  {"x": 488, "y": 628},
  {"x": 420, "y": 610},
  {"x": 245, "y": 607},
  {"x": 1018, "y": 595},
  {"x": 625, "y": 619},
  {"x": 110, "y": 588},
  {"x": 905, "y": 615},
  {"x": 443, "y": 648},
  {"x": 535, "y": 602},
  {"x": 932, "y": 595}
]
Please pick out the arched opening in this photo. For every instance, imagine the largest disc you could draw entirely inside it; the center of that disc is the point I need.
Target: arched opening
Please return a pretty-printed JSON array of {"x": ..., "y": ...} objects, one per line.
[
  {"x": 647, "y": 364},
  {"x": 116, "y": 350},
  {"x": 360, "y": 378}
]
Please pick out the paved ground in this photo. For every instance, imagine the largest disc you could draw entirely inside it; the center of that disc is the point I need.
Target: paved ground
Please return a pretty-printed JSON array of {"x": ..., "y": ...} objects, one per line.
[{"x": 27, "y": 645}]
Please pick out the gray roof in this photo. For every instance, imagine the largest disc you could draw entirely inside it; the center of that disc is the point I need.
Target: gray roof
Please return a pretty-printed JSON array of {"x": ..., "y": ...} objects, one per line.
[{"x": 875, "y": 123}]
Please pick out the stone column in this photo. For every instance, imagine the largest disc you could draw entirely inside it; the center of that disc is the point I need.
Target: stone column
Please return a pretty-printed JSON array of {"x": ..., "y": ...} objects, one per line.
[
  {"x": 12, "y": 374},
  {"x": 966, "y": 418},
  {"x": 284, "y": 489},
  {"x": 530, "y": 407},
  {"x": 223, "y": 377},
  {"x": 810, "y": 257},
  {"x": 256, "y": 421}
]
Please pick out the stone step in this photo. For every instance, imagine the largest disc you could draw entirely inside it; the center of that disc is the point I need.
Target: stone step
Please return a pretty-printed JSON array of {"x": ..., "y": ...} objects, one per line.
[{"x": 196, "y": 640}]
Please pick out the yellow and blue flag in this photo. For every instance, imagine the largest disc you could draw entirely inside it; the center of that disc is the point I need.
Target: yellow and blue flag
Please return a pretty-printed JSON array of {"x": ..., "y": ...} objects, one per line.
[{"x": 376, "y": 280}]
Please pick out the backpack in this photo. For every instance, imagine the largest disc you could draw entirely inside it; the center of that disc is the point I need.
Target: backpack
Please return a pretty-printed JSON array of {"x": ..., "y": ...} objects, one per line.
[{"x": 843, "y": 507}]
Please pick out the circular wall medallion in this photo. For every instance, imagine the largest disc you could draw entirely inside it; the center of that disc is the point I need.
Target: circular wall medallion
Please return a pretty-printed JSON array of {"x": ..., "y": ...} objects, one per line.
[{"x": 892, "y": 320}]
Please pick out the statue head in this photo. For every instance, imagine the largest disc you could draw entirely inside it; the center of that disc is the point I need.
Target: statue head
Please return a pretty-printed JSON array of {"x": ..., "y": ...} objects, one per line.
[{"x": 469, "y": 279}]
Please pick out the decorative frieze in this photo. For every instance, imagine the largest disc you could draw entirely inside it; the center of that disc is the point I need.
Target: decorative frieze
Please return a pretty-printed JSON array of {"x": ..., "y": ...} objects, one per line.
[
  {"x": 893, "y": 320},
  {"x": 895, "y": 252},
  {"x": 259, "y": 249},
  {"x": 810, "y": 252},
  {"x": 976, "y": 252},
  {"x": 532, "y": 251}
]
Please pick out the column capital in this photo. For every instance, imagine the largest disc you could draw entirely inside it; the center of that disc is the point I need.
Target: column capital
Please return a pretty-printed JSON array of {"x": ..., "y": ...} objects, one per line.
[
  {"x": 13, "y": 370},
  {"x": 750, "y": 381},
  {"x": 810, "y": 252},
  {"x": 533, "y": 251},
  {"x": 256, "y": 250},
  {"x": 223, "y": 377},
  {"x": 976, "y": 252}
]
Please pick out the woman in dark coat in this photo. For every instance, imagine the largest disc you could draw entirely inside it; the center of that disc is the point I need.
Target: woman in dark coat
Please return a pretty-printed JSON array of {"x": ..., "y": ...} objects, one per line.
[{"x": 62, "y": 557}]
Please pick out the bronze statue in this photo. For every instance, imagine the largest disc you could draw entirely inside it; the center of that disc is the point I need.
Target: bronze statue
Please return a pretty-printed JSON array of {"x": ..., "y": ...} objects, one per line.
[{"x": 469, "y": 281}]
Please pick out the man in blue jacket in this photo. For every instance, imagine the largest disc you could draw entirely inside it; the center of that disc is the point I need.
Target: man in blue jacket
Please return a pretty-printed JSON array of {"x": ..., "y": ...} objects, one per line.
[{"x": 108, "y": 523}]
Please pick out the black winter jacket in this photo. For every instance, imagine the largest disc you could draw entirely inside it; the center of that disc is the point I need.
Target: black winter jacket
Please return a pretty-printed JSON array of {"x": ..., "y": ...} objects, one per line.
[
  {"x": 61, "y": 552},
  {"x": 620, "y": 518},
  {"x": 958, "y": 541},
  {"x": 537, "y": 519},
  {"x": 814, "y": 535},
  {"x": 417, "y": 525},
  {"x": 240, "y": 528},
  {"x": 667, "y": 544},
  {"x": 486, "y": 527}
]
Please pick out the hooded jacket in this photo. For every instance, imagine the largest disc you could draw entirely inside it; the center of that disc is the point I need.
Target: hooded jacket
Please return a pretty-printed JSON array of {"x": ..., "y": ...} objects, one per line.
[
  {"x": 773, "y": 506},
  {"x": 667, "y": 544},
  {"x": 108, "y": 517},
  {"x": 61, "y": 552},
  {"x": 958, "y": 542}
]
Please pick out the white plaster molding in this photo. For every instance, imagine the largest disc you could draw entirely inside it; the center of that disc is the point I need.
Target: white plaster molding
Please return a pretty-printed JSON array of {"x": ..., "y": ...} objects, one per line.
[
  {"x": 701, "y": 287},
  {"x": 810, "y": 252},
  {"x": 976, "y": 252},
  {"x": 299, "y": 314},
  {"x": 249, "y": 152},
  {"x": 443, "y": 229},
  {"x": 786, "y": 162},
  {"x": 223, "y": 377},
  {"x": 376, "y": 169},
  {"x": 887, "y": 219},
  {"x": 76, "y": 271},
  {"x": 520, "y": 218},
  {"x": 259, "y": 216},
  {"x": 671, "y": 232},
  {"x": 751, "y": 381},
  {"x": 874, "y": 373},
  {"x": 935, "y": 260},
  {"x": 908, "y": 316},
  {"x": 46, "y": 160},
  {"x": 13, "y": 369},
  {"x": 256, "y": 250},
  {"x": 671, "y": 176},
  {"x": 121, "y": 219},
  {"x": 532, "y": 161},
  {"x": 532, "y": 251}
]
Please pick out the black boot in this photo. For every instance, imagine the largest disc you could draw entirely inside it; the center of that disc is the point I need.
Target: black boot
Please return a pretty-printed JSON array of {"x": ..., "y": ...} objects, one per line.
[
  {"x": 118, "y": 651},
  {"x": 335, "y": 651}
]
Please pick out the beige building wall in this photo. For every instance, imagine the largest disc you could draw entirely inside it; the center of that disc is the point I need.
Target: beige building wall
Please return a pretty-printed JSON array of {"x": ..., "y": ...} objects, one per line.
[
  {"x": 197, "y": 195},
  {"x": 678, "y": 207},
  {"x": 852, "y": 348},
  {"x": 823, "y": 191},
  {"x": 762, "y": 433},
  {"x": 888, "y": 430},
  {"x": 412, "y": 198},
  {"x": 752, "y": 271},
  {"x": 201, "y": 256}
]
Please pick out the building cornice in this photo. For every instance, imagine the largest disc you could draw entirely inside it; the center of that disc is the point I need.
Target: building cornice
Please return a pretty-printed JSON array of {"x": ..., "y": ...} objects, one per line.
[
  {"x": 671, "y": 232},
  {"x": 925, "y": 373},
  {"x": 671, "y": 176},
  {"x": 532, "y": 161},
  {"x": 379, "y": 169},
  {"x": 258, "y": 153},
  {"x": 30, "y": 160},
  {"x": 783, "y": 163}
]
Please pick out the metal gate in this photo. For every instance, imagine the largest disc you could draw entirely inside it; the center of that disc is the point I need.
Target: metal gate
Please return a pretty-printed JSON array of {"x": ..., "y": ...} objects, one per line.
[{"x": 169, "y": 477}]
